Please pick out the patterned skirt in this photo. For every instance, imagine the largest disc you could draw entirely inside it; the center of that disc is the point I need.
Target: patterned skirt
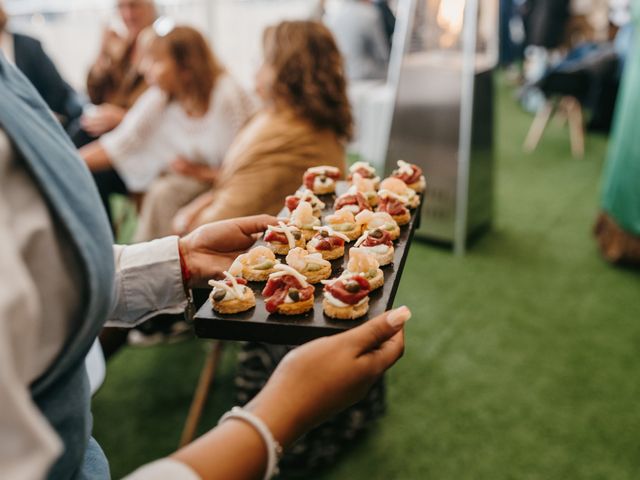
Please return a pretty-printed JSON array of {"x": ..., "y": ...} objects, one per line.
[{"x": 320, "y": 447}]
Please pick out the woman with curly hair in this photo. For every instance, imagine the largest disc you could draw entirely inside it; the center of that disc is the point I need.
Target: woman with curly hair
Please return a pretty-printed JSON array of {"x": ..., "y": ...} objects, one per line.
[{"x": 305, "y": 122}]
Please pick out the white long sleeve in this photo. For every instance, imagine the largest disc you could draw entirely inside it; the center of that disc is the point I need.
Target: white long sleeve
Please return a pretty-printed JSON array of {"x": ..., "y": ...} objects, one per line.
[
  {"x": 137, "y": 125},
  {"x": 148, "y": 282}
]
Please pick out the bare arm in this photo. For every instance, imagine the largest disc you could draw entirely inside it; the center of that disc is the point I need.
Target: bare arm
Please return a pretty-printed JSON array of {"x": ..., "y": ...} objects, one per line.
[
  {"x": 95, "y": 156},
  {"x": 199, "y": 171},
  {"x": 302, "y": 393}
]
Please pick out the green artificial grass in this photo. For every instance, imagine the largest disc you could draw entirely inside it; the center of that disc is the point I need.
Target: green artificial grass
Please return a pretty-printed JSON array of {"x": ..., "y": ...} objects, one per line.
[{"x": 521, "y": 358}]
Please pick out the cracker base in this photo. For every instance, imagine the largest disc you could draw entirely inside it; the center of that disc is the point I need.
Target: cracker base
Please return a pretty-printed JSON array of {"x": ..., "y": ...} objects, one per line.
[
  {"x": 295, "y": 308},
  {"x": 345, "y": 313}
]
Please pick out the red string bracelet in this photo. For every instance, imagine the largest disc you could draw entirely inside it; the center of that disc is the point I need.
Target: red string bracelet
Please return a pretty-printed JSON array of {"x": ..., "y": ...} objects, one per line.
[{"x": 186, "y": 273}]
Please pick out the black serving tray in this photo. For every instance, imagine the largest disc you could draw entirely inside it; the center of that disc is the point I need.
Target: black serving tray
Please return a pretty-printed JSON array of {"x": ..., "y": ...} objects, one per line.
[{"x": 260, "y": 326}]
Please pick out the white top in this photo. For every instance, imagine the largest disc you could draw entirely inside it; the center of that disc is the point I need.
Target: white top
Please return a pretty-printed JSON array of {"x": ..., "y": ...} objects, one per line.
[
  {"x": 40, "y": 305},
  {"x": 156, "y": 131}
]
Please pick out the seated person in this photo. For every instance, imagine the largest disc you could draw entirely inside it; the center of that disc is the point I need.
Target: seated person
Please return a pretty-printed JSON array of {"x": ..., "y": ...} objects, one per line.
[
  {"x": 114, "y": 82},
  {"x": 28, "y": 55},
  {"x": 189, "y": 117},
  {"x": 305, "y": 122}
]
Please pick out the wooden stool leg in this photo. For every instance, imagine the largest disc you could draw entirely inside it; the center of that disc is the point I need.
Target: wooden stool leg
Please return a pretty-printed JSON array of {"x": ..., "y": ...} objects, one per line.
[
  {"x": 538, "y": 127},
  {"x": 201, "y": 394},
  {"x": 576, "y": 128}
]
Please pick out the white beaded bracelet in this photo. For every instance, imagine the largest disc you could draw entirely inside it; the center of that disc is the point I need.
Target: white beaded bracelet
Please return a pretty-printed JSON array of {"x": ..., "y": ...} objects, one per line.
[{"x": 274, "y": 450}]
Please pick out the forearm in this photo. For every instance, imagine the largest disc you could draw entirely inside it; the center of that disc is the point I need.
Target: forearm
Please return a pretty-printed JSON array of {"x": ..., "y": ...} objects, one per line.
[
  {"x": 95, "y": 156},
  {"x": 235, "y": 449},
  {"x": 232, "y": 450},
  {"x": 99, "y": 79}
]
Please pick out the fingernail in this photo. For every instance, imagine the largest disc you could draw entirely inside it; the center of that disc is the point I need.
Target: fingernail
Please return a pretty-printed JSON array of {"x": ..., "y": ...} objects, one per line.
[{"x": 399, "y": 316}]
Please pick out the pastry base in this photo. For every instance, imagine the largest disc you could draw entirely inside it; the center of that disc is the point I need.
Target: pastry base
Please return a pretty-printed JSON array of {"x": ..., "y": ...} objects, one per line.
[
  {"x": 235, "y": 306},
  {"x": 253, "y": 275},
  {"x": 419, "y": 186},
  {"x": 309, "y": 234},
  {"x": 295, "y": 308},
  {"x": 402, "y": 219},
  {"x": 315, "y": 277},
  {"x": 283, "y": 248},
  {"x": 325, "y": 190},
  {"x": 395, "y": 233},
  {"x": 329, "y": 254},
  {"x": 345, "y": 313},
  {"x": 377, "y": 281},
  {"x": 414, "y": 202}
]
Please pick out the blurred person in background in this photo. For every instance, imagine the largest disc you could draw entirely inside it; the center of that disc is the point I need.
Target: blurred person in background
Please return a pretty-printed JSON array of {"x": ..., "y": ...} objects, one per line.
[
  {"x": 182, "y": 125},
  {"x": 61, "y": 278},
  {"x": 618, "y": 227},
  {"x": 360, "y": 33},
  {"x": 27, "y": 54},
  {"x": 114, "y": 81},
  {"x": 305, "y": 122},
  {"x": 388, "y": 18}
]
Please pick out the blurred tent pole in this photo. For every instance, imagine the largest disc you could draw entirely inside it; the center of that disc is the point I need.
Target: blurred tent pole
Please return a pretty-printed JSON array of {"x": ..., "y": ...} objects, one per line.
[{"x": 464, "y": 148}]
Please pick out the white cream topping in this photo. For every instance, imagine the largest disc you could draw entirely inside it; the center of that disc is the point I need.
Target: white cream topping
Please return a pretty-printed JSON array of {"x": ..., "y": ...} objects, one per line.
[
  {"x": 308, "y": 196},
  {"x": 316, "y": 258},
  {"x": 404, "y": 167},
  {"x": 352, "y": 208},
  {"x": 389, "y": 194},
  {"x": 299, "y": 259},
  {"x": 236, "y": 267},
  {"x": 234, "y": 291},
  {"x": 364, "y": 166},
  {"x": 379, "y": 249},
  {"x": 341, "y": 216},
  {"x": 353, "y": 190},
  {"x": 317, "y": 183},
  {"x": 324, "y": 169},
  {"x": 337, "y": 303},
  {"x": 397, "y": 188},
  {"x": 332, "y": 232},
  {"x": 287, "y": 230},
  {"x": 282, "y": 270},
  {"x": 362, "y": 238}
]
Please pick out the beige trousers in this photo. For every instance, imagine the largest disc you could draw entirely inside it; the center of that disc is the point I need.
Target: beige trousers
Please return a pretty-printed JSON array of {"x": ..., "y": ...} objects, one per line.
[{"x": 162, "y": 201}]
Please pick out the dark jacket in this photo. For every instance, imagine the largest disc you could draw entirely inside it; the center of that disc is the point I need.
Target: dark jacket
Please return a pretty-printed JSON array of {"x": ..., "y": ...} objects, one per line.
[{"x": 36, "y": 65}]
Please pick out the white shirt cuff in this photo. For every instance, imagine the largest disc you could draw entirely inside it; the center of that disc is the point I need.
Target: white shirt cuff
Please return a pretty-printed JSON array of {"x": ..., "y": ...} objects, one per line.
[
  {"x": 148, "y": 282},
  {"x": 165, "y": 469}
]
